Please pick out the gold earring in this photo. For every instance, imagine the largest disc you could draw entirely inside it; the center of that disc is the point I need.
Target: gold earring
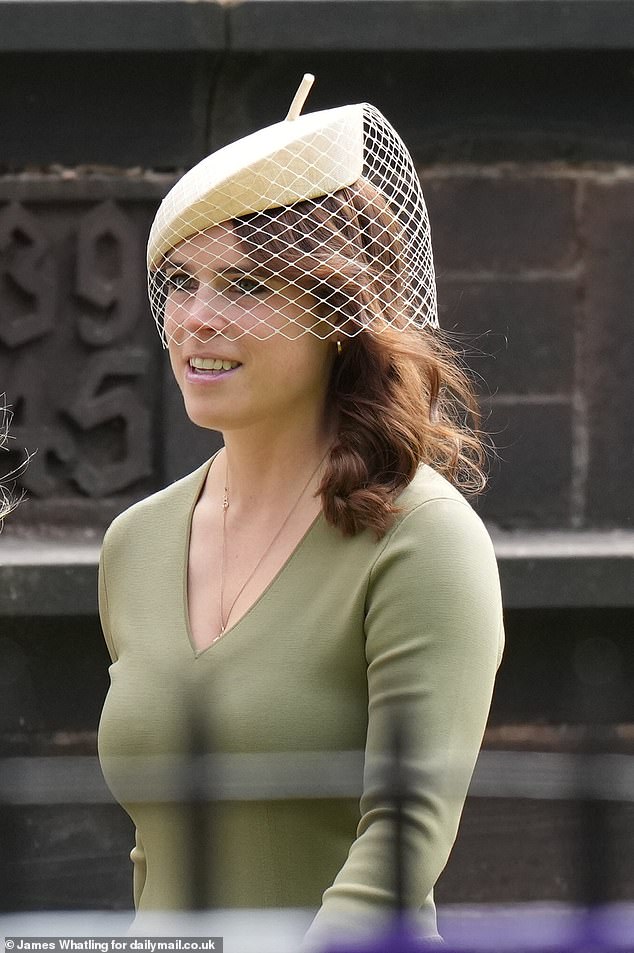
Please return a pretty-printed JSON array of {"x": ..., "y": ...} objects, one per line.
[{"x": 339, "y": 349}]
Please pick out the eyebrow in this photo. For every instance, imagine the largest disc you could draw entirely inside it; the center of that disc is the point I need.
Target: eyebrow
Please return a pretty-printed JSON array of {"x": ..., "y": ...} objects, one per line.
[
  {"x": 243, "y": 267},
  {"x": 240, "y": 269}
]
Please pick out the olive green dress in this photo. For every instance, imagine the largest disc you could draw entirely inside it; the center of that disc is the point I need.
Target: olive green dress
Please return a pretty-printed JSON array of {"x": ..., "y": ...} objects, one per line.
[{"x": 349, "y": 633}]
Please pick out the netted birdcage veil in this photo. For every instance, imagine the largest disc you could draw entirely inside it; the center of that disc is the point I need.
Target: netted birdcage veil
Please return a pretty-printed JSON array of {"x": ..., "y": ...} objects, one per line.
[{"x": 314, "y": 225}]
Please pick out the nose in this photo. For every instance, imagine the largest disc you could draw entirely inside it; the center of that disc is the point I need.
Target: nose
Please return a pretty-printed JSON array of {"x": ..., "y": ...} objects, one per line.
[{"x": 202, "y": 314}]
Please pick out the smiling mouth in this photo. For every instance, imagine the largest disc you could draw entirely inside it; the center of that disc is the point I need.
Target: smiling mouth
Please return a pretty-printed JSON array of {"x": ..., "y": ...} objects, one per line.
[{"x": 213, "y": 366}]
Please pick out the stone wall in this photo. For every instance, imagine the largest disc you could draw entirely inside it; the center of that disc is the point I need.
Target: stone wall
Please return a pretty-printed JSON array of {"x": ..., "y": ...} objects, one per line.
[
  {"x": 535, "y": 288},
  {"x": 534, "y": 270}
]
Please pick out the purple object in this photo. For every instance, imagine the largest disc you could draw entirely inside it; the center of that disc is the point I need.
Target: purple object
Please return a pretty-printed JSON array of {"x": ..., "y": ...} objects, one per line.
[
  {"x": 554, "y": 929},
  {"x": 398, "y": 939}
]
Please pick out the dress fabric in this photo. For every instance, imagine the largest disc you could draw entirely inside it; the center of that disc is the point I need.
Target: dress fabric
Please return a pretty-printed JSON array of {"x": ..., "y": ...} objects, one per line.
[{"x": 349, "y": 633}]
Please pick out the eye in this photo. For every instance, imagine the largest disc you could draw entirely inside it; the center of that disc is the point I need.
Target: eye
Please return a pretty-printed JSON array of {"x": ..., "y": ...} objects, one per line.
[
  {"x": 179, "y": 281},
  {"x": 248, "y": 286}
]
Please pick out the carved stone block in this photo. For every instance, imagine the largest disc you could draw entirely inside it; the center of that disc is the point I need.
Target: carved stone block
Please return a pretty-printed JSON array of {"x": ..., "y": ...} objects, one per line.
[{"x": 79, "y": 356}]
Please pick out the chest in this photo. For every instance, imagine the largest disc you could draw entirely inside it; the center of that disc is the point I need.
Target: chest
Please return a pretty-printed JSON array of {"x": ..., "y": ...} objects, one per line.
[
  {"x": 232, "y": 563},
  {"x": 289, "y": 674},
  {"x": 290, "y": 671}
]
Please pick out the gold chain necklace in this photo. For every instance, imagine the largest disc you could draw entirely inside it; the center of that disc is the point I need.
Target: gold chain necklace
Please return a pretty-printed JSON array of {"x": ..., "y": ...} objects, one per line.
[{"x": 225, "y": 506}]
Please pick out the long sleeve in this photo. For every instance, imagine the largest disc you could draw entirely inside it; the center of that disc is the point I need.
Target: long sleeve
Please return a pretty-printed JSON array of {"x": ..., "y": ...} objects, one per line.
[{"x": 434, "y": 640}]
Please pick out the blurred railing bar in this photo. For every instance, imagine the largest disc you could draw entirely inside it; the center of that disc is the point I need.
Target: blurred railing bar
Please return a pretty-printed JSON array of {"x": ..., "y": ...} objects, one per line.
[
  {"x": 304, "y": 775},
  {"x": 200, "y": 790}
]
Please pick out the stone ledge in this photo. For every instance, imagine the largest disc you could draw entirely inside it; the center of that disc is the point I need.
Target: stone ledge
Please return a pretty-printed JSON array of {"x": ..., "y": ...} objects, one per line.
[
  {"x": 443, "y": 25},
  {"x": 106, "y": 26},
  {"x": 58, "y": 183},
  {"x": 554, "y": 569},
  {"x": 560, "y": 569},
  {"x": 537, "y": 775},
  {"x": 313, "y": 25}
]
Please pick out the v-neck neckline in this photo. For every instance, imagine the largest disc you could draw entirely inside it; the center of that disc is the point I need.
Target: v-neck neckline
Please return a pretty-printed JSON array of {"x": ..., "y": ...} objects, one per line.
[{"x": 229, "y": 632}]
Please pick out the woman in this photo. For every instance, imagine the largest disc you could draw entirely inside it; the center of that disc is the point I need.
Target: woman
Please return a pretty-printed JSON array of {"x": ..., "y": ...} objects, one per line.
[{"x": 322, "y": 575}]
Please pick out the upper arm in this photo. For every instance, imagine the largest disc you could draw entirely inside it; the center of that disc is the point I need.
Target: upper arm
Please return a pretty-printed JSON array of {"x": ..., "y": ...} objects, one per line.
[
  {"x": 433, "y": 644},
  {"x": 434, "y": 592}
]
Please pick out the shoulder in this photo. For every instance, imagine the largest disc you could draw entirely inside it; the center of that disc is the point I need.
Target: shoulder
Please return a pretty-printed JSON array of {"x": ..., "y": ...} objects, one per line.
[
  {"x": 149, "y": 516},
  {"x": 438, "y": 563},
  {"x": 430, "y": 500},
  {"x": 437, "y": 531},
  {"x": 428, "y": 486}
]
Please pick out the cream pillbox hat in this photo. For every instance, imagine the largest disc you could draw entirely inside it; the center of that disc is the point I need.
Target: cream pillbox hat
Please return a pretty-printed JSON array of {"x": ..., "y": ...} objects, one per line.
[
  {"x": 282, "y": 164},
  {"x": 304, "y": 159}
]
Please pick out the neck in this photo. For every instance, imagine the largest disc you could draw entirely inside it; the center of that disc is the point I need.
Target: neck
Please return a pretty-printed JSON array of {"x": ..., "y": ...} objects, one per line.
[{"x": 265, "y": 469}]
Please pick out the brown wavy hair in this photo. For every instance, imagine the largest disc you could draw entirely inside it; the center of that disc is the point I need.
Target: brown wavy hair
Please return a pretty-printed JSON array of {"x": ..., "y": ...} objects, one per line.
[{"x": 399, "y": 393}]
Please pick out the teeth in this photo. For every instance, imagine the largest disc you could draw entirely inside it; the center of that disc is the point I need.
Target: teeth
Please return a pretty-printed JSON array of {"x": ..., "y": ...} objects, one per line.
[{"x": 212, "y": 364}]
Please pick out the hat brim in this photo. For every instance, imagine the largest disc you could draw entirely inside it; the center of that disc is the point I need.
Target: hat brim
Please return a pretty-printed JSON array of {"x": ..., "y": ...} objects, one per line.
[{"x": 280, "y": 165}]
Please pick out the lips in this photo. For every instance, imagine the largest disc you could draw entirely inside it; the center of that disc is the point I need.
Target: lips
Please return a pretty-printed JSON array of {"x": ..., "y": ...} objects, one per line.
[
  {"x": 212, "y": 364},
  {"x": 204, "y": 370}
]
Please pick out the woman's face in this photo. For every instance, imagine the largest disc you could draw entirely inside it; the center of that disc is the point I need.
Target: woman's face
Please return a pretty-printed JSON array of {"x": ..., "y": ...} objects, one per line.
[{"x": 219, "y": 308}]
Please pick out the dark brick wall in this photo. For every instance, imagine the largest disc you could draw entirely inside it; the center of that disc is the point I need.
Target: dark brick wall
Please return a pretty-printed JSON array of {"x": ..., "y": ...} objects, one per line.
[
  {"x": 607, "y": 344},
  {"x": 535, "y": 287},
  {"x": 535, "y": 282}
]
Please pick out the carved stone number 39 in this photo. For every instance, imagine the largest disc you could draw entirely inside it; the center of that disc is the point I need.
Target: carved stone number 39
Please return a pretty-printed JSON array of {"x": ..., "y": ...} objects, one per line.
[{"x": 103, "y": 299}]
